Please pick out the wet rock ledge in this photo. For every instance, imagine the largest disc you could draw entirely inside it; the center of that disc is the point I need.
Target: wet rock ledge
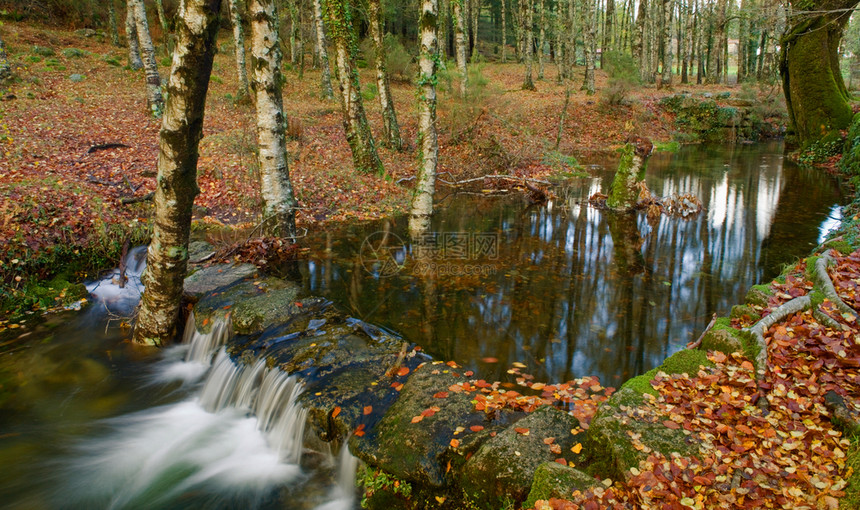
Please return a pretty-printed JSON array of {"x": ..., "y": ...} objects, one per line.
[{"x": 430, "y": 434}]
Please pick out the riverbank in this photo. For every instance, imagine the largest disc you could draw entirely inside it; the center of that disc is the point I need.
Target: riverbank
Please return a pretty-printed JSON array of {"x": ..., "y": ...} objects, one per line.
[{"x": 77, "y": 144}]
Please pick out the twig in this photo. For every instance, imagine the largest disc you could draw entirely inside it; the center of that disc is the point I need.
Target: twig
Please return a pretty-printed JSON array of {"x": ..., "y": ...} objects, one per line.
[
  {"x": 697, "y": 343},
  {"x": 104, "y": 146},
  {"x": 134, "y": 200},
  {"x": 399, "y": 361},
  {"x": 494, "y": 176}
]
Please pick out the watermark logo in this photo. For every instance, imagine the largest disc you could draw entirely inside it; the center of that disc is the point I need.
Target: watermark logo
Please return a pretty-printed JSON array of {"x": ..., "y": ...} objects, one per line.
[{"x": 384, "y": 254}]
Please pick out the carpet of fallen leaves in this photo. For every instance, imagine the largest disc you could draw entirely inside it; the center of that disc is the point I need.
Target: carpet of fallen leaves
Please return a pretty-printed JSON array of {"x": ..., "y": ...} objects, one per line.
[
  {"x": 790, "y": 456},
  {"x": 57, "y": 186}
]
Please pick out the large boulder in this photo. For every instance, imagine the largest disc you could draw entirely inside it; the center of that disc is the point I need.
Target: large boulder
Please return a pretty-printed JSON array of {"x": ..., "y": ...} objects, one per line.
[{"x": 503, "y": 468}]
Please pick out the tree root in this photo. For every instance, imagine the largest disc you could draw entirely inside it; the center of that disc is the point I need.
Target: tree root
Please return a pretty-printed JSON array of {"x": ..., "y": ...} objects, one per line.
[{"x": 822, "y": 279}]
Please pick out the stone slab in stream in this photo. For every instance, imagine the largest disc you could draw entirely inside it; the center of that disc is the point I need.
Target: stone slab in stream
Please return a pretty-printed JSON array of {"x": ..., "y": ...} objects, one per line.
[{"x": 209, "y": 279}]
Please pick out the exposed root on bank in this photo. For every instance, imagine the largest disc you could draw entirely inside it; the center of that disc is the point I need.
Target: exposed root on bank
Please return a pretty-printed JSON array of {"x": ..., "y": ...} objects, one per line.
[{"x": 822, "y": 279}]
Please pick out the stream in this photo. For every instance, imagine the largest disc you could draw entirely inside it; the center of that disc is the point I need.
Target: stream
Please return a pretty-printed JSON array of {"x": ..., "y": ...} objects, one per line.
[{"x": 563, "y": 290}]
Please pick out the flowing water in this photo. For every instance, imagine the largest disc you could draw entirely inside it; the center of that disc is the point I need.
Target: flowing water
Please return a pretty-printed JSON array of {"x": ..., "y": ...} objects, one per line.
[{"x": 87, "y": 421}]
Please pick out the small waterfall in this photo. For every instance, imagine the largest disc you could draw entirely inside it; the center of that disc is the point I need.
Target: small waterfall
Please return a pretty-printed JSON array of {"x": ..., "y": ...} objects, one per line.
[
  {"x": 270, "y": 394},
  {"x": 344, "y": 490},
  {"x": 202, "y": 345},
  {"x": 122, "y": 299}
]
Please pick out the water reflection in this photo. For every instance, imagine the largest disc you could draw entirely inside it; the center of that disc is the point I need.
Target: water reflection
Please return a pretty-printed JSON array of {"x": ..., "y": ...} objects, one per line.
[{"x": 572, "y": 291}]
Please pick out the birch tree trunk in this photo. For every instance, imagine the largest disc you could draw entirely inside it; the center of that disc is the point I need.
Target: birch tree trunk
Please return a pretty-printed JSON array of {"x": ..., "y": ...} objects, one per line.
[
  {"x": 571, "y": 37},
  {"x": 743, "y": 40},
  {"x": 358, "y": 135},
  {"x": 608, "y": 32},
  {"x": 275, "y": 186},
  {"x": 528, "y": 41},
  {"x": 322, "y": 43},
  {"x": 422, "y": 200},
  {"x": 541, "y": 37},
  {"x": 391, "y": 129},
  {"x": 666, "y": 39},
  {"x": 460, "y": 43},
  {"x": 239, "y": 40},
  {"x": 639, "y": 40},
  {"x": 559, "y": 42},
  {"x": 154, "y": 101},
  {"x": 476, "y": 11},
  {"x": 114, "y": 28},
  {"x": 294, "y": 32},
  {"x": 504, "y": 31},
  {"x": 714, "y": 57},
  {"x": 181, "y": 130},
  {"x": 134, "y": 60},
  {"x": 588, "y": 31},
  {"x": 165, "y": 31}
]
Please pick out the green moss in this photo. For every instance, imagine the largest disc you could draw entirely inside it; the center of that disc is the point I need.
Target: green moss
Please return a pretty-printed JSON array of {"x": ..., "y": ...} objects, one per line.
[
  {"x": 552, "y": 480},
  {"x": 852, "y": 462},
  {"x": 810, "y": 267},
  {"x": 739, "y": 311},
  {"x": 842, "y": 246},
  {"x": 687, "y": 361},
  {"x": 758, "y": 295},
  {"x": 622, "y": 194}
]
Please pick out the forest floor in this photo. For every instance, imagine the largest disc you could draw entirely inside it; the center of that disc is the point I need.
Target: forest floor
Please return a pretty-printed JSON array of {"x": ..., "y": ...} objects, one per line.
[{"x": 60, "y": 192}]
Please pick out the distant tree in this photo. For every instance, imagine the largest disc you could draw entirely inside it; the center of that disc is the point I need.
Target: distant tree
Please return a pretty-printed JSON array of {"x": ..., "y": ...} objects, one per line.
[
  {"x": 239, "y": 40},
  {"x": 275, "y": 187},
  {"x": 527, "y": 16},
  {"x": 5, "y": 68},
  {"x": 134, "y": 60},
  {"x": 460, "y": 44},
  {"x": 588, "y": 23},
  {"x": 504, "y": 30},
  {"x": 165, "y": 29},
  {"x": 114, "y": 29},
  {"x": 181, "y": 130},
  {"x": 154, "y": 101},
  {"x": 325, "y": 77},
  {"x": 391, "y": 129},
  {"x": 358, "y": 135},
  {"x": 666, "y": 41},
  {"x": 422, "y": 199}
]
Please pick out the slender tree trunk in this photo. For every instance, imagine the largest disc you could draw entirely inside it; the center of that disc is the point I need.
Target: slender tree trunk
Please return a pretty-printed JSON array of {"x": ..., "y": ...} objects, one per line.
[
  {"x": 689, "y": 42},
  {"x": 294, "y": 32},
  {"x": 181, "y": 130},
  {"x": 322, "y": 43},
  {"x": 460, "y": 43},
  {"x": 541, "y": 38},
  {"x": 389, "y": 117},
  {"x": 817, "y": 100},
  {"x": 743, "y": 40},
  {"x": 571, "y": 37},
  {"x": 668, "y": 8},
  {"x": 559, "y": 41},
  {"x": 275, "y": 186},
  {"x": 114, "y": 28},
  {"x": 239, "y": 39},
  {"x": 714, "y": 56},
  {"x": 165, "y": 31},
  {"x": 504, "y": 31},
  {"x": 590, "y": 41},
  {"x": 358, "y": 135},
  {"x": 442, "y": 26},
  {"x": 422, "y": 199},
  {"x": 639, "y": 40},
  {"x": 155, "y": 103},
  {"x": 476, "y": 12},
  {"x": 134, "y": 60},
  {"x": 608, "y": 32},
  {"x": 528, "y": 44},
  {"x": 5, "y": 68}
]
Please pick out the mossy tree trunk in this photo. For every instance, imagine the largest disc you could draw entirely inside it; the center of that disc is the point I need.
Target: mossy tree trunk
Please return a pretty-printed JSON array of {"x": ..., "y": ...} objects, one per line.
[
  {"x": 154, "y": 101},
  {"x": 815, "y": 93},
  {"x": 422, "y": 199},
  {"x": 666, "y": 40},
  {"x": 181, "y": 130},
  {"x": 5, "y": 68},
  {"x": 558, "y": 27},
  {"x": 460, "y": 44},
  {"x": 391, "y": 129},
  {"x": 322, "y": 43},
  {"x": 358, "y": 135},
  {"x": 527, "y": 17},
  {"x": 504, "y": 30},
  {"x": 631, "y": 171},
  {"x": 165, "y": 29},
  {"x": 134, "y": 60},
  {"x": 588, "y": 23},
  {"x": 275, "y": 187},
  {"x": 639, "y": 39},
  {"x": 114, "y": 26},
  {"x": 239, "y": 40},
  {"x": 541, "y": 36}
]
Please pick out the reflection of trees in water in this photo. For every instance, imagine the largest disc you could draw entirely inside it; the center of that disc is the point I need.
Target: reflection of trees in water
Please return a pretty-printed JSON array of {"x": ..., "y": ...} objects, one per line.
[{"x": 577, "y": 292}]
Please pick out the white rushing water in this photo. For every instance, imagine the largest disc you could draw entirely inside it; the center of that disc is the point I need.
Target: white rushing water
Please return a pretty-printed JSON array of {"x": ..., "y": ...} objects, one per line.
[{"x": 233, "y": 442}]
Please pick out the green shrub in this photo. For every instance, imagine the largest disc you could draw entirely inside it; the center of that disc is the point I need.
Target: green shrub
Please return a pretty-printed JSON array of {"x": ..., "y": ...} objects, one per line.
[
  {"x": 43, "y": 51},
  {"x": 398, "y": 60},
  {"x": 73, "y": 53},
  {"x": 821, "y": 150},
  {"x": 623, "y": 77}
]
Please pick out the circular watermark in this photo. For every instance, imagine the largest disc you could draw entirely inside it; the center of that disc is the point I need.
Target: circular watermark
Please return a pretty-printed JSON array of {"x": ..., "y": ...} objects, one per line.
[{"x": 383, "y": 254}]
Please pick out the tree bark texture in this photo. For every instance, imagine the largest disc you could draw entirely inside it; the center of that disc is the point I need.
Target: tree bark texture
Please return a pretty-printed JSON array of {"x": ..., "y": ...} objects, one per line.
[
  {"x": 154, "y": 101},
  {"x": 631, "y": 170},
  {"x": 528, "y": 41},
  {"x": 134, "y": 60},
  {"x": 391, "y": 129},
  {"x": 239, "y": 40},
  {"x": 460, "y": 44},
  {"x": 666, "y": 39},
  {"x": 176, "y": 184},
  {"x": 422, "y": 199},
  {"x": 588, "y": 23},
  {"x": 358, "y": 135},
  {"x": 275, "y": 186},
  {"x": 322, "y": 43},
  {"x": 114, "y": 27}
]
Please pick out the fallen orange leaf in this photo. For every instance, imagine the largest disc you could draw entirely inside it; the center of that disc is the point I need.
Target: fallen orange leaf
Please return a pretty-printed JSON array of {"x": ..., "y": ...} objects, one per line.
[
  {"x": 335, "y": 412},
  {"x": 368, "y": 410}
]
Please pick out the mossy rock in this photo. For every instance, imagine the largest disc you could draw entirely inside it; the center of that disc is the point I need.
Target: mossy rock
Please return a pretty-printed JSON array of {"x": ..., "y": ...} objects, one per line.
[
  {"x": 419, "y": 452},
  {"x": 758, "y": 295},
  {"x": 610, "y": 449},
  {"x": 840, "y": 245},
  {"x": 553, "y": 480},
  {"x": 504, "y": 467},
  {"x": 739, "y": 311},
  {"x": 74, "y": 53},
  {"x": 209, "y": 279},
  {"x": 222, "y": 301},
  {"x": 199, "y": 251},
  {"x": 270, "y": 308}
]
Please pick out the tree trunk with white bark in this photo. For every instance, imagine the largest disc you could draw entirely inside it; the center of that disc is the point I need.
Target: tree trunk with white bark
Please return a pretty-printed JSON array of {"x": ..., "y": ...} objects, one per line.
[
  {"x": 391, "y": 129},
  {"x": 181, "y": 130},
  {"x": 154, "y": 101},
  {"x": 460, "y": 44},
  {"x": 239, "y": 40},
  {"x": 134, "y": 60},
  {"x": 322, "y": 48}
]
